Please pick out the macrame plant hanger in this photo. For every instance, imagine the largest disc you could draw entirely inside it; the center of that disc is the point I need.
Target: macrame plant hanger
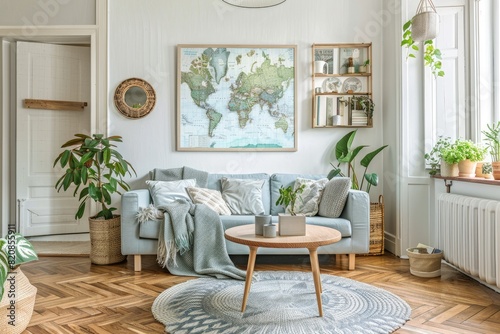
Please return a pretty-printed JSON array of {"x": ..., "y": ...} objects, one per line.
[{"x": 425, "y": 23}]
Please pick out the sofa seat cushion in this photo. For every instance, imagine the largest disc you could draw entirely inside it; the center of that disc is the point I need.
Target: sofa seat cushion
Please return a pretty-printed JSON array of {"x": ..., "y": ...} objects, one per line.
[{"x": 151, "y": 228}]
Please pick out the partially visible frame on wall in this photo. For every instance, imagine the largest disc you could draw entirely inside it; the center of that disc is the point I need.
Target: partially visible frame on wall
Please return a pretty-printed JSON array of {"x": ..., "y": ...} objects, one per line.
[{"x": 236, "y": 98}]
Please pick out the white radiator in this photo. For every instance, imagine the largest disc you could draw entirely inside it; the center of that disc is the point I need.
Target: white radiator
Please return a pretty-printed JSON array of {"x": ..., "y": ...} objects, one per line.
[{"x": 469, "y": 235}]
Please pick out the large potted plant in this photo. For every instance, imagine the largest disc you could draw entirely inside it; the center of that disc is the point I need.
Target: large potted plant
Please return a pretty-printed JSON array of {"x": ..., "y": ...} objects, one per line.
[
  {"x": 345, "y": 155},
  {"x": 17, "y": 294},
  {"x": 290, "y": 224},
  {"x": 493, "y": 146},
  {"x": 96, "y": 169}
]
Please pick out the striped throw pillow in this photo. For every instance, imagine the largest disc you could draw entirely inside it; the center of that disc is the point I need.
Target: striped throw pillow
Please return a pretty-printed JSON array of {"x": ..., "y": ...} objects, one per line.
[{"x": 209, "y": 197}]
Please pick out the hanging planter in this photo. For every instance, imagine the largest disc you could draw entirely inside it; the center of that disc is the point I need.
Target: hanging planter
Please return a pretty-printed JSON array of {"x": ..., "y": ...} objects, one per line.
[
  {"x": 425, "y": 24},
  {"x": 423, "y": 28}
]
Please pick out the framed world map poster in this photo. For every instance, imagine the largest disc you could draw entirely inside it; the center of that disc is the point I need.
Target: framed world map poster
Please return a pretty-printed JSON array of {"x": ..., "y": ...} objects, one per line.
[{"x": 236, "y": 98}]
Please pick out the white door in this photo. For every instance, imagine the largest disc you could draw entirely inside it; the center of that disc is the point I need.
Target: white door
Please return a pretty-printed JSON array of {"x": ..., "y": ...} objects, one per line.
[{"x": 48, "y": 72}]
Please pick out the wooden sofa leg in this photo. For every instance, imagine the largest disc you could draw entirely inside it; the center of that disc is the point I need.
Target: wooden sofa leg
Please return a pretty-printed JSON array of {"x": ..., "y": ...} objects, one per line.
[
  {"x": 137, "y": 262},
  {"x": 352, "y": 261}
]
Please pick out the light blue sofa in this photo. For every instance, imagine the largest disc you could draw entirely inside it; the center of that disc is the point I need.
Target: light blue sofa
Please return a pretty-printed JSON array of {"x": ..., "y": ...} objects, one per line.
[{"x": 354, "y": 223}]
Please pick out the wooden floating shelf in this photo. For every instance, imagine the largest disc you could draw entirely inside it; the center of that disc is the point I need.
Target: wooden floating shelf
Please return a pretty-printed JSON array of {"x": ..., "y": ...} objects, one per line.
[{"x": 54, "y": 105}]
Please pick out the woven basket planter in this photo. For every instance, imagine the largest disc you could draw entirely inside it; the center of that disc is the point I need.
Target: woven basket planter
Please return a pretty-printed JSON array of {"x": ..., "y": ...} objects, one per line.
[
  {"x": 377, "y": 227},
  {"x": 25, "y": 295},
  {"x": 105, "y": 240}
]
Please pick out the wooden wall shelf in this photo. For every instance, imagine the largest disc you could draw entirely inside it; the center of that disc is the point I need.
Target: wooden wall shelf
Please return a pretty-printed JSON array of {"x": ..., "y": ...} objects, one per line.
[{"x": 54, "y": 105}]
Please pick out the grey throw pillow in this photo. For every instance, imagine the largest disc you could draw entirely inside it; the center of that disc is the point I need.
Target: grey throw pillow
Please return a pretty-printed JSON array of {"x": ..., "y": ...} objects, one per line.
[
  {"x": 334, "y": 197},
  {"x": 165, "y": 192},
  {"x": 243, "y": 196}
]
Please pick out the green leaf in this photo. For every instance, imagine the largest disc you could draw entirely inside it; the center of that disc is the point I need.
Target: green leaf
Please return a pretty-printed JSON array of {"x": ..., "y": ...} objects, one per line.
[
  {"x": 372, "y": 179},
  {"x": 411, "y": 55},
  {"x": 344, "y": 145},
  {"x": 81, "y": 210},
  {"x": 365, "y": 162},
  {"x": 414, "y": 47},
  {"x": 65, "y": 157},
  {"x": 407, "y": 25},
  {"x": 83, "y": 193},
  {"x": 68, "y": 178}
]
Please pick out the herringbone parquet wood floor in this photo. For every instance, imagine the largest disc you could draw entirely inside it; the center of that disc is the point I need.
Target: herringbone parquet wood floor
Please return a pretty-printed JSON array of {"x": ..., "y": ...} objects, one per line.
[{"x": 77, "y": 297}]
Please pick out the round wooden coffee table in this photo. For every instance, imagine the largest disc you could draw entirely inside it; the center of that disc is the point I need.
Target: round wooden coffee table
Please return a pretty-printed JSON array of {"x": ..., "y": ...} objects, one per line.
[{"x": 315, "y": 236}]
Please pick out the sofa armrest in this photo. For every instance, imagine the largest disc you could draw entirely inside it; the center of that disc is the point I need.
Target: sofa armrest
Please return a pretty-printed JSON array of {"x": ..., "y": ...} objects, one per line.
[
  {"x": 357, "y": 211},
  {"x": 131, "y": 202}
]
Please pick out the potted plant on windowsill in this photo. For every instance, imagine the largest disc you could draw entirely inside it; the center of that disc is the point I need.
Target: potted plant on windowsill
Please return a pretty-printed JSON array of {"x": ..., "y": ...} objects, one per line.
[
  {"x": 291, "y": 223},
  {"x": 17, "y": 294},
  {"x": 469, "y": 154},
  {"x": 434, "y": 157},
  {"x": 96, "y": 169},
  {"x": 449, "y": 161},
  {"x": 493, "y": 146}
]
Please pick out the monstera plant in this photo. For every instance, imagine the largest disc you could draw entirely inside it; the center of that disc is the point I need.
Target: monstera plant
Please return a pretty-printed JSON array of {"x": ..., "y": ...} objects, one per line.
[{"x": 345, "y": 155}]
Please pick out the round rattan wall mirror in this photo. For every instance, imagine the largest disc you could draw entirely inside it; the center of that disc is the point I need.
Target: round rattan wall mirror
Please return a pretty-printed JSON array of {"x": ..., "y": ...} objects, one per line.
[{"x": 135, "y": 98}]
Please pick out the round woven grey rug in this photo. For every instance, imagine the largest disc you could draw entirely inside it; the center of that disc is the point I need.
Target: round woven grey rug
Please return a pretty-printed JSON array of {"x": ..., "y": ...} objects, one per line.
[{"x": 279, "y": 302}]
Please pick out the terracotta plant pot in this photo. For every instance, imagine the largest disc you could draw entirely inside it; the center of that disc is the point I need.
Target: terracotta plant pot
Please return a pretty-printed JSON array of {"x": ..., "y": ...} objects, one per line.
[
  {"x": 479, "y": 170},
  {"x": 447, "y": 169},
  {"x": 467, "y": 168},
  {"x": 496, "y": 170}
]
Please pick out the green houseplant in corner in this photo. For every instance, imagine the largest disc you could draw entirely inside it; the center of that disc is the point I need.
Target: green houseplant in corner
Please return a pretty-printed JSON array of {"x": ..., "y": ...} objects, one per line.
[
  {"x": 17, "y": 294},
  {"x": 96, "y": 170},
  {"x": 291, "y": 224},
  {"x": 346, "y": 155}
]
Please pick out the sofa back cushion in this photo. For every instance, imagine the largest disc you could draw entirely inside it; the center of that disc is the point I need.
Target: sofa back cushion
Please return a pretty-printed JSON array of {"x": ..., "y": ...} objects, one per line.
[
  {"x": 215, "y": 183},
  {"x": 285, "y": 180}
]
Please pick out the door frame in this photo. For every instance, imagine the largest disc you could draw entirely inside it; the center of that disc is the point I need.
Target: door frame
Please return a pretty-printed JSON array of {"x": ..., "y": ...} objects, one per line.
[{"x": 96, "y": 36}]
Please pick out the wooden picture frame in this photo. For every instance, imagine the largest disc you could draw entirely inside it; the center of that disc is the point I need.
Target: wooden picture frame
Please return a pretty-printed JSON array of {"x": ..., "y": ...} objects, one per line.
[{"x": 236, "y": 97}]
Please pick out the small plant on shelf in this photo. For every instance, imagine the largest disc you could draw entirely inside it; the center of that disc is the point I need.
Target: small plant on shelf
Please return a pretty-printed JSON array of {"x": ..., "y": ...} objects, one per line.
[
  {"x": 493, "y": 141},
  {"x": 468, "y": 150}
]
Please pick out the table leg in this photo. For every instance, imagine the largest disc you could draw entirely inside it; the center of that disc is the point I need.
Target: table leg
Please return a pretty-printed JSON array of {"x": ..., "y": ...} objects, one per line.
[
  {"x": 313, "y": 255},
  {"x": 248, "y": 280}
]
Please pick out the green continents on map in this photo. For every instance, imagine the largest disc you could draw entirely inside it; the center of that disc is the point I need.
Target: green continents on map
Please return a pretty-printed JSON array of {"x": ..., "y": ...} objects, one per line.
[{"x": 265, "y": 86}]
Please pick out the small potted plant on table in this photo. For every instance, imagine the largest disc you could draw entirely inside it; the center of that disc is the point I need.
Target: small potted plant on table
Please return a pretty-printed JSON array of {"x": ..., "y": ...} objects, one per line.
[{"x": 292, "y": 223}]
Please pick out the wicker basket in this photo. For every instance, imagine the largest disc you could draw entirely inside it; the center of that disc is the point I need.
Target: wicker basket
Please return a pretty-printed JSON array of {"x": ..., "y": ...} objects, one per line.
[
  {"x": 424, "y": 265},
  {"x": 377, "y": 227},
  {"x": 105, "y": 240},
  {"x": 24, "y": 304}
]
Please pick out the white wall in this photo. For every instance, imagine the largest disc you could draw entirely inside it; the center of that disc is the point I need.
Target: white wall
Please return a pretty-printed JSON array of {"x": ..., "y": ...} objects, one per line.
[
  {"x": 34, "y": 13},
  {"x": 142, "y": 43}
]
